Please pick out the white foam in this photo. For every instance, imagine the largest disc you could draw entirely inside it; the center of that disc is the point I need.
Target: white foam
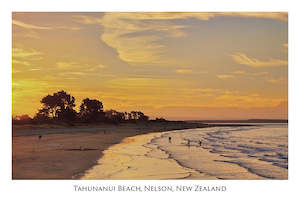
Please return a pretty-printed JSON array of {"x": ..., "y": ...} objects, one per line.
[{"x": 225, "y": 153}]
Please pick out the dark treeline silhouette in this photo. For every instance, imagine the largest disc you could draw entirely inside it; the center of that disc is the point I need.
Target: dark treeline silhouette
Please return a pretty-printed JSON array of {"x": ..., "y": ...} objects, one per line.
[{"x": 59, "y": 107}]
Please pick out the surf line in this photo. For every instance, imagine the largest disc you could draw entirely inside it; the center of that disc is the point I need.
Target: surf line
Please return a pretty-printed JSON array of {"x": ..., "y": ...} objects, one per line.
[{"x": 188, "y": 170}]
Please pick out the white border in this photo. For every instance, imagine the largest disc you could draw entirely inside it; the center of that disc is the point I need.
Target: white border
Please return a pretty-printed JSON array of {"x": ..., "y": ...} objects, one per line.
[{"x": 64, "y": 189}]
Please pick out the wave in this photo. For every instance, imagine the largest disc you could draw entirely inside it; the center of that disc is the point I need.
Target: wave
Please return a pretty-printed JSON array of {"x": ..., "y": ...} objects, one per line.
[
  {"x": 235, "y": 153},
  {"x": 261, "y": 151}
]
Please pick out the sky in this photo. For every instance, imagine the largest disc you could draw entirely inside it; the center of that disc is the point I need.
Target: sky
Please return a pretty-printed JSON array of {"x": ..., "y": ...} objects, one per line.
[{"x": 180, "y": 66}]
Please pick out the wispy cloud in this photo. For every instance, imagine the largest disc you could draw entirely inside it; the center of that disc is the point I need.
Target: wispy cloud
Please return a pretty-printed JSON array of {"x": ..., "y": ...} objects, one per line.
[
  {"x": 34, "y": 69},
  {"x": 24, "y": 57},
  {"x": 243, "y": 59},
  {"x": 224, "y": 76},
  {"x": 20, "y": 62},
  {"x": 22, "y": 53},
  {"x": 259, "y": 73},
  {"x": 31, "y": 26},
  {"x": 184, "y": 71},
  {"x": 239, "y": 72},
  {"x": 273, "y": 80},
  {"x": 75, "y": 70},
  {"x": 65, "y": 65},
  {"x": 144, "y": 47},
  {"x": 283, "y": 16}
]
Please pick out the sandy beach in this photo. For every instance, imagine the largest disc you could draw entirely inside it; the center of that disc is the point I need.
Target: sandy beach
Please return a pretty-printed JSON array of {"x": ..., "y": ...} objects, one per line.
[
  {"x": 226, "y": 153},
  {"x": 66, "y": 153}
]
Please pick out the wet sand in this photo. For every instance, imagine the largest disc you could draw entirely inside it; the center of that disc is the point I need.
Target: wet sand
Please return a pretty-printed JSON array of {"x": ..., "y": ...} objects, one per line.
[
  {"x": 136, "y": 159},
  {"x": 179, "y": 155},
  {"x": 66, "y": 153},
  {"x": 139, "y": 158}
]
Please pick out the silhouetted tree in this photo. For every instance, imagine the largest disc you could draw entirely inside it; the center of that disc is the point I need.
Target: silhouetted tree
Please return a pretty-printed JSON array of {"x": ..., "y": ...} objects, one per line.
[
  {"x": 21, "y": 119},
  {"x": 142, "y": 117},
  {"x": 115, "y": 116},
  {"x": 58, "y": 106},
  {"x": 129, "y": 116},
  {"x": 136, "y": 116},
  {"x": 160, "y": 120},
  {"x": 42, "y": 115},
  {"x": 91, "y": 110}
]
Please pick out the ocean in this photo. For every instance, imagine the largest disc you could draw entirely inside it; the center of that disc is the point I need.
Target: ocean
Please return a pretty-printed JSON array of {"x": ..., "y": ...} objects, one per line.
[{"x": 232, "y": 153}]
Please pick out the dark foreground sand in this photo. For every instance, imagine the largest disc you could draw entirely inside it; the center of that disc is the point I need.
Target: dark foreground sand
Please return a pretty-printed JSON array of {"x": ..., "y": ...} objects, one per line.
[{"x": 65, "y": 153}]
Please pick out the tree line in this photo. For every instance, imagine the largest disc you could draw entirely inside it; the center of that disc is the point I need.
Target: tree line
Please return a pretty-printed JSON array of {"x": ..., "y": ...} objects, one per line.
[{"x": 59, "y": 107}]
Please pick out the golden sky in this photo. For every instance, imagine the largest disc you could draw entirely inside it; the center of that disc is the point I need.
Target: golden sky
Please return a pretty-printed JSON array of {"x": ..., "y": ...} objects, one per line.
[{"x": 172, "y": 65}]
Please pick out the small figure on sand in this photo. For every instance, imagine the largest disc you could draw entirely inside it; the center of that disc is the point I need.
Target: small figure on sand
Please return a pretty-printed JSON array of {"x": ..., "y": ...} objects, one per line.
[
  {"x": 40, "y": 137},
  {"x": 170, "y": 139},
  {"x": 200, "y": 142},
  {"x": 188, "y": 142}
]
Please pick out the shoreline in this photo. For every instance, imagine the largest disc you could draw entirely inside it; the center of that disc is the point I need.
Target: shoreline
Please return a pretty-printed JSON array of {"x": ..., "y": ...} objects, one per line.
[
  {"x": 66, "y": 153},
  {"x": 137, "y": 158}
]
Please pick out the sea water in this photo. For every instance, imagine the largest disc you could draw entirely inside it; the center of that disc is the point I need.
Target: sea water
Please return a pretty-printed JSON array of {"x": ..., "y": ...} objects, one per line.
[{"x": 235, "y": 153}]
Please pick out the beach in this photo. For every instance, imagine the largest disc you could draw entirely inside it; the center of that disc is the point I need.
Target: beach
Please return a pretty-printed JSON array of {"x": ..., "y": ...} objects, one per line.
[
  {"x": 231, "y": 153},
  {"x": 152, "y": 151},
  {"x": 67, "y": 152}
]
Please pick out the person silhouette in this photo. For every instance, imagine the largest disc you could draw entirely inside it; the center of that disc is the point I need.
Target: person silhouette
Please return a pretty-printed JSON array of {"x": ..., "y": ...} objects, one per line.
[
  {"x": 188, "y": 142},
  {"x": 40, "y": 137},
  {"x": 200, "y": 142},
  {"x": 170, "y": 139}
]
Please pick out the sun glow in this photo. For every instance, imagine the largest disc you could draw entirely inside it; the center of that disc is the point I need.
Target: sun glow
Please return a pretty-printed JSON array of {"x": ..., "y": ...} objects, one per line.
[{"x": 172, "y": 65}]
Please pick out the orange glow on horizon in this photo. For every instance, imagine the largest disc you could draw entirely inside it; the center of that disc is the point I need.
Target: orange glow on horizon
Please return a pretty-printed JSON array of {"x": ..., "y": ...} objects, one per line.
[{"x": 179, "y": 66}]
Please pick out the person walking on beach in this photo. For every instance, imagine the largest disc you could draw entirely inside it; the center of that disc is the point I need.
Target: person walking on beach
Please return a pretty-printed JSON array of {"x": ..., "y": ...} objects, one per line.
[
  {"x": 200, "y": 142},
  {"x": 170, "y": 139},
  {"x": 188, "y": 142}
]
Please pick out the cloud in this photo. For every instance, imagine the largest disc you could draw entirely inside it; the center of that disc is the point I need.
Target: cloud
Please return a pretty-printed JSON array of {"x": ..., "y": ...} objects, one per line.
[
  {"x": 224, "y": 76},
  {"x": 29, "y": 26},
  {"x": 24, "y": 57},
  {"x": 183, "y": 71},
  {"x": 28, "y": 33},
  {"x": 243, "y": 59},
  {"x": 243, "y": 100},
  {"x": 273, "y": 80},
  {"x": 259, "y": 73},
  {"x": 136, "y": 36},
  {"x": 19, "y": 62},
  {"x": 35, "y": 27},
  {"x": 100, "y": 66},
  {"x": 34, "y": 69},
  {"x": 74, "y": 73},
  {"x": 74, "y": 70},
  {"x": 239, "y": 72},
  {"x": 86, "y": 19},
  {"x": 277, "y": 111},
  {"x": 283, "y": 16},
  {"x": 66, "y": 65},
  {"x": 22, "y": 53}
]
